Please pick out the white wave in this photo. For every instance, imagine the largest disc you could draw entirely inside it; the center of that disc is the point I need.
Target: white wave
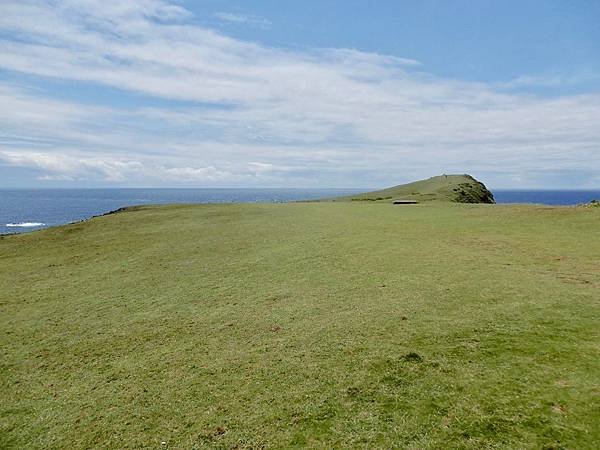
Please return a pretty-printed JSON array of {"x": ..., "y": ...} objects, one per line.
[{"x": 26, "y": 224}]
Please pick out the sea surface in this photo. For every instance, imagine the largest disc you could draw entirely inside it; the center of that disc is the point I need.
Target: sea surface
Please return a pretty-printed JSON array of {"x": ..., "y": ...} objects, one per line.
[{"x": 24, "y": 210}]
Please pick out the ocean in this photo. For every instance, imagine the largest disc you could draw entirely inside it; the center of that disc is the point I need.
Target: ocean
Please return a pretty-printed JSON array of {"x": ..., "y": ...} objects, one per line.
[{"x": 24, "y": 210}]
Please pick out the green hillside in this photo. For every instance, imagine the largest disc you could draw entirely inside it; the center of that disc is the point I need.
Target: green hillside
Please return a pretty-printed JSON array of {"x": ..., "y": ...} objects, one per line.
[
  {"x": 445, "y": 188},
  {"x": 304, "y": 325}
]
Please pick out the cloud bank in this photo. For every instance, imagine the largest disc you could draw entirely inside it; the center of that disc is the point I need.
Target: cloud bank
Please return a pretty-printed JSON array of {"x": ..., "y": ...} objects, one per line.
[{"x": 239, "y": 113}]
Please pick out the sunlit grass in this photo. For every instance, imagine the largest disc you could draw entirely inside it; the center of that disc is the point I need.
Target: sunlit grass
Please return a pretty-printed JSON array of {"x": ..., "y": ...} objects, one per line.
[{"x": 323, "y": 325}]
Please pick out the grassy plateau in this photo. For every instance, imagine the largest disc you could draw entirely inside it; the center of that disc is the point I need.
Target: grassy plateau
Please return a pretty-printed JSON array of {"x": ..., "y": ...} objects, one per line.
[{"x": 320, "y": 325}]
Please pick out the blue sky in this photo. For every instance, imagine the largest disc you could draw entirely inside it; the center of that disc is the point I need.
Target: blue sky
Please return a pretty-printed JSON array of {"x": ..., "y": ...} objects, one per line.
[{"x": 298, "y": 94}]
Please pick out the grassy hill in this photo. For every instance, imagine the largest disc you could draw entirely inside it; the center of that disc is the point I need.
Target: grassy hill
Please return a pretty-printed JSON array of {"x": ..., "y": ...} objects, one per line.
[
  {"x": 321, "y": 325},
  {"x": 445, "y": 188}
]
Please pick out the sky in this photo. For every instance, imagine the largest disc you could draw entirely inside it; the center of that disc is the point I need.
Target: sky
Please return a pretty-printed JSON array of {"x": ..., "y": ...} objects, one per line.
[{"x": 312, "y": 93}]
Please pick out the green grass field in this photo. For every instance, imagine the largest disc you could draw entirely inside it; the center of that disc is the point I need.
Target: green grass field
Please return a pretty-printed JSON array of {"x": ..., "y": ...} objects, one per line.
[{"x": 322, "y": 325}]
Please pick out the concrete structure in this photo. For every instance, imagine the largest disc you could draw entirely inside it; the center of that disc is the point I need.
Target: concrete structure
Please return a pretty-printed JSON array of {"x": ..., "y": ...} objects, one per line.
[{"x": 405, "y": 202}]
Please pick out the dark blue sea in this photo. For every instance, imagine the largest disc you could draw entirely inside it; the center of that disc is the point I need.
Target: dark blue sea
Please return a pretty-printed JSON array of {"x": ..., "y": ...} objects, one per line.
[{"x": 31, "y": 209}]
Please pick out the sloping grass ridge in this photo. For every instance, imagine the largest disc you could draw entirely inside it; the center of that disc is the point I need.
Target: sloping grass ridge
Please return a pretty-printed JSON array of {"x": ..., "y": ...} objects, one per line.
[{"x": 443, "y": 188}]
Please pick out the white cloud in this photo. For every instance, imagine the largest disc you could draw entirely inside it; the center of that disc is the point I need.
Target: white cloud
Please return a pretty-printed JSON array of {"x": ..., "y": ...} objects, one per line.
[
  {"x": 550, "y": 80},
  {"x": 202, "y": 174},
  {"x": 80, "y": 167},
  {"x": 243, "y": 19},
  {"x": 74, "y": 167},
  {"x": 257, "y": 115}
]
